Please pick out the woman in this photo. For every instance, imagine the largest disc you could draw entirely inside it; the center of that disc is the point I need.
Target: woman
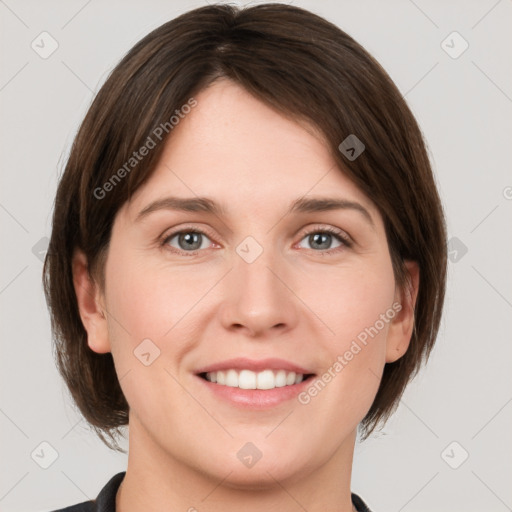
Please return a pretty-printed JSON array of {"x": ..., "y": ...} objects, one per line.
[{"x": 247, "y": 262}]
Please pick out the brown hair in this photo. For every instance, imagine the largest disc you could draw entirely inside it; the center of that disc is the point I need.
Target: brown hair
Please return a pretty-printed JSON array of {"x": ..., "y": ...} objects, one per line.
[{"x": 301, "y": 65}]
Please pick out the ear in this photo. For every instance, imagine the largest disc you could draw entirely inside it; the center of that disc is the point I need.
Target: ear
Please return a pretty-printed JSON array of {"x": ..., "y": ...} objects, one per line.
[
  {"x": 91, "y": 305},
  {"x": 401, "y": 327}
]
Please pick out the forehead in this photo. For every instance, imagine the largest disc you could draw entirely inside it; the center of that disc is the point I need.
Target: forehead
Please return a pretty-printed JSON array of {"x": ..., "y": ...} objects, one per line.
[{"x": 234, "y": 148}]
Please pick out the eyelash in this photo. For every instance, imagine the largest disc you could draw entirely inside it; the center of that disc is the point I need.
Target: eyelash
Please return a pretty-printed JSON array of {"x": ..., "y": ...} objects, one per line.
[{"x": 346, "y": 242}]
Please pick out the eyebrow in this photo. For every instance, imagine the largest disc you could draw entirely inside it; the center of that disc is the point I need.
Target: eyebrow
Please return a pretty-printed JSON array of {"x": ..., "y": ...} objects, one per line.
[{"x": 301, "y": 205}]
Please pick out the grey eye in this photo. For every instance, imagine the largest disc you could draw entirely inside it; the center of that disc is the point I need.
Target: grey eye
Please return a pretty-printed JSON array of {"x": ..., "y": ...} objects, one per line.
[
  {"x": 321, "y": 240},
  {"x": 188, "y": 240}
]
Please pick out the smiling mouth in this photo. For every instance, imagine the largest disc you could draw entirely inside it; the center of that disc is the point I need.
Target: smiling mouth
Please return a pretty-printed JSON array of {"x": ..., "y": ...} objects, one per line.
[{"x": 247, "y": 379}]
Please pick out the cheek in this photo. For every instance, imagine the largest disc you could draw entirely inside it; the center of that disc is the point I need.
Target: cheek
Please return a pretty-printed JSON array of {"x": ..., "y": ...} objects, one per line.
[
  {"x": 150, "y": 301},
  {"x": 364, "y": 316},
  {"x": 354, "y": 305},
  {"x": 147, "y": 302},
  {"x": 349, "y": 299}
]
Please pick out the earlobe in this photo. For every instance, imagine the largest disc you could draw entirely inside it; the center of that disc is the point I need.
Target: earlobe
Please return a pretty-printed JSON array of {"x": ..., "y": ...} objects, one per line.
[
  {"x": 90, "y": 305},
  {"x": 402, "y": 326}
]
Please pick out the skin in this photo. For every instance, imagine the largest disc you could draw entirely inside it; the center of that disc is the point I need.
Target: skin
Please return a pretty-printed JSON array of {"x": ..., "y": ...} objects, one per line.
[{"x": 294, "y": 302}]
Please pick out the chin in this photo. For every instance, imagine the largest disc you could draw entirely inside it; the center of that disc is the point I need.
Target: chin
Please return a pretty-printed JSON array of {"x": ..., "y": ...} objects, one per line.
[
  {"x": 274, "y": 465},
  {"x": 258, "y": 478}
]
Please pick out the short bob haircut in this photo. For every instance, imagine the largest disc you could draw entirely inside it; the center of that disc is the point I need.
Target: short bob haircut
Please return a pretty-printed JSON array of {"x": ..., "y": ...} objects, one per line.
[{"x": 307, "y": 69}]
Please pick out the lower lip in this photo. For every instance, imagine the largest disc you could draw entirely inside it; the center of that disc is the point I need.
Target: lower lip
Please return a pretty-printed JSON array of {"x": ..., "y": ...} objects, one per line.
[{"x": 256, "y": 398}]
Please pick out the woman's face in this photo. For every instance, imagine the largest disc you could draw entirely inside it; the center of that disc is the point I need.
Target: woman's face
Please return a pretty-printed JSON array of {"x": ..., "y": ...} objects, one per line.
[{"x": 255, "y": 290}]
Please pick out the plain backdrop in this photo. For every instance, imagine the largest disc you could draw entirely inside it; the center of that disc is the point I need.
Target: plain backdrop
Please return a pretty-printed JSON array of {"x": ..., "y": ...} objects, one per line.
[{"x": 448, "y": 447}]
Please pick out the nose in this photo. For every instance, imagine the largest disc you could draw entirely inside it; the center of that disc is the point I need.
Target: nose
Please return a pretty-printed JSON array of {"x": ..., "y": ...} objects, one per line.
[{"x": 259, "y": 298}]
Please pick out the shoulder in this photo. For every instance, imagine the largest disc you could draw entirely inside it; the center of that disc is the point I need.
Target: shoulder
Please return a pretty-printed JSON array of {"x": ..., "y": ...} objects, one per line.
[
  {"x": 86, "y": 506},
  {"x": 360, "y": 505},
  {"x": 105, "y": 502}
]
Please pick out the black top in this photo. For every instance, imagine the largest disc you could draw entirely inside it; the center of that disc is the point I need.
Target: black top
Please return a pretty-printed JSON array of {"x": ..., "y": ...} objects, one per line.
[{"x": 106, "y": 500}]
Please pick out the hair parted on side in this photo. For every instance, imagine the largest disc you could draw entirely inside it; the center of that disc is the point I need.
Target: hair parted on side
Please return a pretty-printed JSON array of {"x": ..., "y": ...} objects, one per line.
[{"x": 309, "y": 70}]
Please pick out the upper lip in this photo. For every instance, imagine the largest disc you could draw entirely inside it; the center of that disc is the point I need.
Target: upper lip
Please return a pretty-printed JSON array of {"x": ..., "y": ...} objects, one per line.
[{"x": 242, "y": 363}]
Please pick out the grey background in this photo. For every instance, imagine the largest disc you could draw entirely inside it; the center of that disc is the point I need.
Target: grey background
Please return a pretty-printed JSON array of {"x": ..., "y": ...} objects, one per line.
[{"x": 463, "y": 106}]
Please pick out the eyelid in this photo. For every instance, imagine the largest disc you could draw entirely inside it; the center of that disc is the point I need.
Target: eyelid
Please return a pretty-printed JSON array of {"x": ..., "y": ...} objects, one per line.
[
  {"x": 185, "y": 229},
  {"x": 343, "y": 235}
]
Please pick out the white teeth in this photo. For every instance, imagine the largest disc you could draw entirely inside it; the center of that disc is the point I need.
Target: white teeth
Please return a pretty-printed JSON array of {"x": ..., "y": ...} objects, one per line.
[
  {"x": 266, "y": 380},
  {"x": 232, "y": 379},
  {"x": 247, "y": 379},
  {"x": 280, "y": 379}
]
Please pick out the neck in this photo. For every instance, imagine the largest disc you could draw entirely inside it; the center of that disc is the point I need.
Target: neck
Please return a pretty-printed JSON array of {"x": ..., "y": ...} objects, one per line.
[{"x": 156, "y": 481}]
